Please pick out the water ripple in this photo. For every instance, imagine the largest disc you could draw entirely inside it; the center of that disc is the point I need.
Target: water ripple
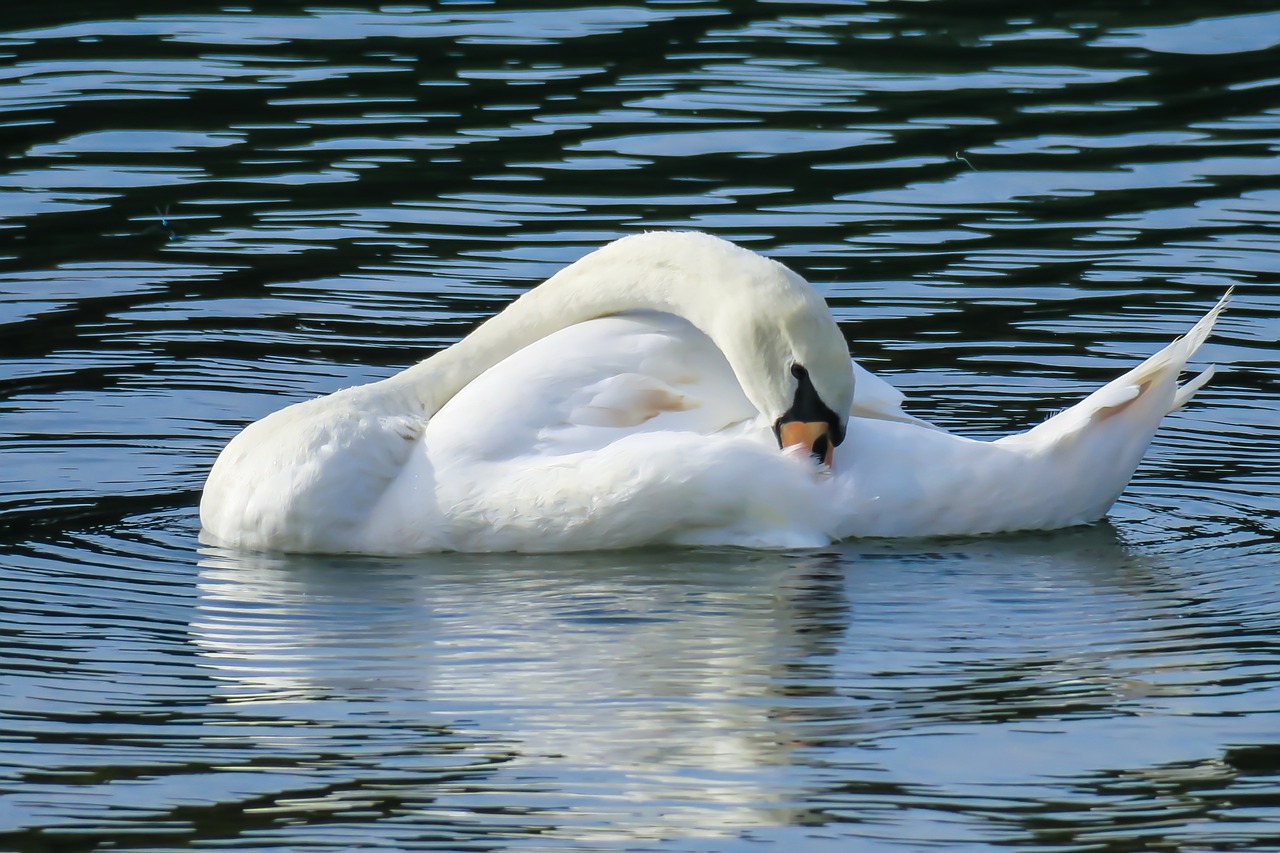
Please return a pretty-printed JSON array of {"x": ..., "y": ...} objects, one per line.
[{"x": 210, "y": 215}]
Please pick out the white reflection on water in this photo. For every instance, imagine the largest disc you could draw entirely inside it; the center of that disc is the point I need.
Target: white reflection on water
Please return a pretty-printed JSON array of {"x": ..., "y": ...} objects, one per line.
[
  {"x": 646, "y": 678},
  {"x": 704, "y": 692}
]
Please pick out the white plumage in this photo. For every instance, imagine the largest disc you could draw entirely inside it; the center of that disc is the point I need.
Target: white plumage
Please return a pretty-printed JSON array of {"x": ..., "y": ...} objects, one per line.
[{"x": 639, "y": 428}]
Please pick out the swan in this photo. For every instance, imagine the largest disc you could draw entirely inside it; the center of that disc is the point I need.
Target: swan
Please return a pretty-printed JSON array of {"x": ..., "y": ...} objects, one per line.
[
  {"x": 326, "y": 474},
  {"x": 670, "y": 388}
]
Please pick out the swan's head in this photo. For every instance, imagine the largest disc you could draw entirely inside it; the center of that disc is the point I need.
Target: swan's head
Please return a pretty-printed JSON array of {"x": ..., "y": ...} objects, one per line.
[
  {"x": 790, "y": 358},
  {"x": 810, "y": 382}
]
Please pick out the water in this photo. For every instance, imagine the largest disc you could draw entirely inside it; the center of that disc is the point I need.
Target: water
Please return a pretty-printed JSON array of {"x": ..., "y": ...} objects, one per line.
[{"x": 206, "y": 215}]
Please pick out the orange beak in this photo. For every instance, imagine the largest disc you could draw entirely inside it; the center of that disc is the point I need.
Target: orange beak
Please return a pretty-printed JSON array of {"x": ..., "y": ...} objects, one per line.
[{"x": 813, "y": 436}]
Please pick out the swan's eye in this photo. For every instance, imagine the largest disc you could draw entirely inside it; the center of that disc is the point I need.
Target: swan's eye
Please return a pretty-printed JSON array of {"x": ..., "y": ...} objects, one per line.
[{"x": 798, "y": 371}]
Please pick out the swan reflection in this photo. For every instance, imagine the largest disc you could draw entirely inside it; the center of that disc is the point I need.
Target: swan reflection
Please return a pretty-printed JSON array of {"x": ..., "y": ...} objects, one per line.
[
  {"x": 690, "y": 692},
  {"x": 657, "y": 675}
]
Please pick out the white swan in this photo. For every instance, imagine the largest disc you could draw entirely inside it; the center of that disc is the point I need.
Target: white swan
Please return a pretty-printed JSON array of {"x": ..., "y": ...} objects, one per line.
[
  {"x": 663, "y": 426},
  {"x": 326, "y": 474}
]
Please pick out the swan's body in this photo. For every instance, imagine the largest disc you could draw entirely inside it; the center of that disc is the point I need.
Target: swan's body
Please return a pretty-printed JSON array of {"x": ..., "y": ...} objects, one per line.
[{"x": 637, "y": 429}]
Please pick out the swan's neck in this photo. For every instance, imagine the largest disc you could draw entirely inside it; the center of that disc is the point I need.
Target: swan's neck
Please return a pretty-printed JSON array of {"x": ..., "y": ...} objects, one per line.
[{"x": 727, "y": 292}]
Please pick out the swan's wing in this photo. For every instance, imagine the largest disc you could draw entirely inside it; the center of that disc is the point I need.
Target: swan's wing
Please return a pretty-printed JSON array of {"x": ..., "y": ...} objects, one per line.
[
  {"x": 621, "y": 431},
  {"x": 588, "y": 385}
]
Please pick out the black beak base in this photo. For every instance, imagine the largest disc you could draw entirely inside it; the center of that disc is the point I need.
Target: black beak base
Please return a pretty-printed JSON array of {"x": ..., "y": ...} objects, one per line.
[{"x": 807, "y": 407}]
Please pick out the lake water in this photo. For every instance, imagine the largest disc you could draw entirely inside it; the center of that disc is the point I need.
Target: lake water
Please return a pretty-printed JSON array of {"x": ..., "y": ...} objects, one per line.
[{"x": 207, "y": 215}]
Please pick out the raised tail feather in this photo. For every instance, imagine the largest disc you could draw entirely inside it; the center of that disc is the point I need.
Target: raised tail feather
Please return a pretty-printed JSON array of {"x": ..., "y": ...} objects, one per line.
[
  {"x": 1191, "y": 342},
  {"x": 1177, "y": 354},
  {"x": 1157, "y": 375}
]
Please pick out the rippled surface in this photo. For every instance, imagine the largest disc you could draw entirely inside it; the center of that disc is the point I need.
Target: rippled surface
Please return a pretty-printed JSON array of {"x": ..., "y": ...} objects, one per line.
[{"x": 204, "y": 216}]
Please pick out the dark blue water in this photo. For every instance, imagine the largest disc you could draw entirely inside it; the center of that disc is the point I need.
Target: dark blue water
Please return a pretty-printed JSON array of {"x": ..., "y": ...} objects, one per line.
[{"x": 205, "y": 215}]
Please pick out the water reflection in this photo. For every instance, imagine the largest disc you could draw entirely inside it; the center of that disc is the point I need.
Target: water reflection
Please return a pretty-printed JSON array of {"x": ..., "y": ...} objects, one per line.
[
  {"x": 681, "y": 693},
  {"x": 648, "y": 679},
  {"x": 467, "y": 630}
]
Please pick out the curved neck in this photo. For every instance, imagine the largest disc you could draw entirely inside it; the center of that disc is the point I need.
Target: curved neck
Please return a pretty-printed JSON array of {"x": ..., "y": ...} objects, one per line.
[{"x": 717, "y": 286}]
